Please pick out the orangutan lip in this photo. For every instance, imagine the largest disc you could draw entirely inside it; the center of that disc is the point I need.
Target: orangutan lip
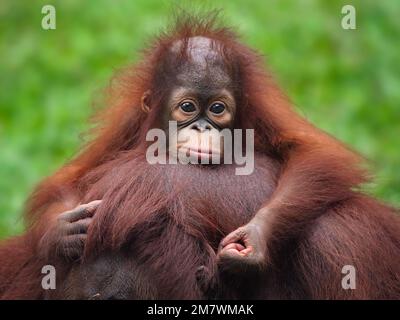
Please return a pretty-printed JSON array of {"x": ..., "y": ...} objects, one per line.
[{"x": 201, "y": 152}]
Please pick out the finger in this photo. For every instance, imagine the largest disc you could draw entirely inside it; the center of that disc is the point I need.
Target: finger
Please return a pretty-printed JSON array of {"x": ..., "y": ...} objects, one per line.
[
  {"x": 232, "y": 253},
  {"x": 244, "y": 248},
  {"x": 235, "y": 246},
  {"x": 229, "y": 261},
  {"x": 236, "y": 251},
  {"x": 74, "y": 241},
  {"x": 80, "y": 212},
  {"x": 231, "y": 238},
  {"x": 247, "y": 251},
  {"x": 77, "y": 227},
  {"x": 231, "y": 250},
  {"x": 72, "y": 246}
]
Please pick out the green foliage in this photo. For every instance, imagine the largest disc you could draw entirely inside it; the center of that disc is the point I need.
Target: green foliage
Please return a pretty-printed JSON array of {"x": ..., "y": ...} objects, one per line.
[{"x": 345, "y": 81}]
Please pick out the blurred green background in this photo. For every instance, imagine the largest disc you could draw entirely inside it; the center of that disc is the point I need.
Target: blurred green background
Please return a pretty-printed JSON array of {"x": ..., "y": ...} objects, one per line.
[{"x": 345, "y": 81}]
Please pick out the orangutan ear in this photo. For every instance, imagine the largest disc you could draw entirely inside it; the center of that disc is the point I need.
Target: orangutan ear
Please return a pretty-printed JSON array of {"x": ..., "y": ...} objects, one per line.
[{"x": 146, "y": 101}]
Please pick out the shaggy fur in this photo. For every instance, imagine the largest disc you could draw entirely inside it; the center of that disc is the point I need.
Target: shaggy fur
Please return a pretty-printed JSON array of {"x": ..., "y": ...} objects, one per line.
[{"x": 157, "y": 224}]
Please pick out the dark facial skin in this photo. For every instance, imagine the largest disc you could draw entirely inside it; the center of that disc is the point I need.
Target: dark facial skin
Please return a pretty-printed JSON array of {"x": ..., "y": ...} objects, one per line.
[{"x": 200, "y": 101}]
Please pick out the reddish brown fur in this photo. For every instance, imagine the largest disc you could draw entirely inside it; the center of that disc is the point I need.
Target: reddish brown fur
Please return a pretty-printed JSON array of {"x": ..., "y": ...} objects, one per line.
[
  {"x": 322, "y": 223},
  {"x": 178, "y": 221}
]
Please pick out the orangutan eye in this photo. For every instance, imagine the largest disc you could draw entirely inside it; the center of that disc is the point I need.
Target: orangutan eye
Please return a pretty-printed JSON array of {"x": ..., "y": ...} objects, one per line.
[
  {"x": 187, "y": 107},
  {"x": 217, "y": 108}
]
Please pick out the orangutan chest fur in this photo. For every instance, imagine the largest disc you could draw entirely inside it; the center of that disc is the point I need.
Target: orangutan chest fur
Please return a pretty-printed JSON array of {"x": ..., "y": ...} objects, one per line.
[{"x": 202, "y": 200}]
